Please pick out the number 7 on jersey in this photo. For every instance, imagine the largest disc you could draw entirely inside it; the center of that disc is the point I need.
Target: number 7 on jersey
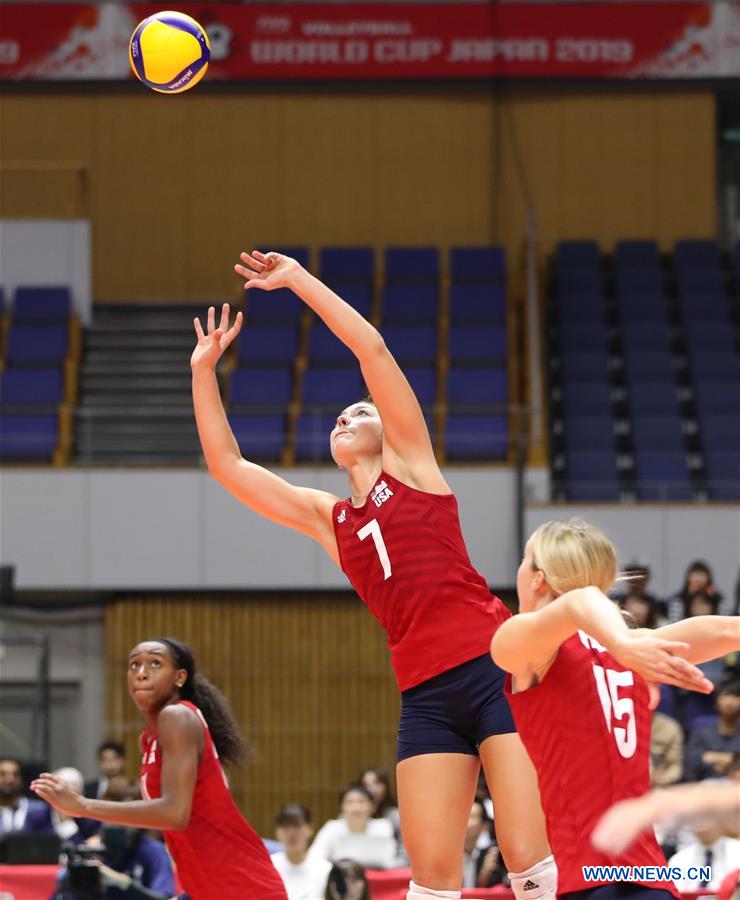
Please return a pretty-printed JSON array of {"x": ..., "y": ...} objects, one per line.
[{"x": 373, "y": 529}]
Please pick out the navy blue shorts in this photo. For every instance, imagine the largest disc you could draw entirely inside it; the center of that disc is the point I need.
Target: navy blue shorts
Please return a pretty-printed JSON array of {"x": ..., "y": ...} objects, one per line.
[
  {"x": 620, "y": 890},
  {"x": 454, "y": 712}
]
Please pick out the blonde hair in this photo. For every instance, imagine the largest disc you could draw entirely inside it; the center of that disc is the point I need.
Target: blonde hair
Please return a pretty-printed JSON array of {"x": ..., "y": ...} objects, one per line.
[{"x": 574, "y": 554}]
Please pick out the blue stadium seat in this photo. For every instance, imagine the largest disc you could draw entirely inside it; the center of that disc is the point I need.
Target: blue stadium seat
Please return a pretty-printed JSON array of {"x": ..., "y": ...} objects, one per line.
[
  {"x": 661, "y": 433},
  {"x": 268, "y": 344},
  {"x": 324, "y": 347},
  {"x": 647, "y": 365},
  {"x": 260, "y": 387},
  {"x": 28, "y": 437},
  {"x": 312, "y": 436},
  {"x": 578, "y": 366},
  {"x": 476, "y": 437},
  {"x": 697, "y": 253},
  {"x": 423, "y": 381},
  {"x": 713, "y": 337},
  {"x": 47, "y": 304},
  {"x": 707, "y": 365},
  {"x": 479, "y": 303},
  {"x": 642, "y": 337},
  {"x": 629, "y": 280},
  {"x": 332, "y": 388},
  {"x": 587, "y": 399},
  {"x": 582, "y": 336},
  {"x": 595, "y": 431},
  {"x": 653, "y": 397},
  {"x": 412, "y": 343},
  {"x": 411, "y": 265},
  {"x": 259, "y": 436},
  {"x": 475, "y": 344},
  {"x": 642, "y": 306},
  {"x": 574, "y": 306},
  {"x": 339, "y": 265},
  {"x": 581, "y": 280},
  {"x": 716, "y": 398},
  {"x": 720, "y": 432},
  {"x": 272, "y": 307},
  {"x": 578, "y": 253},
  {"x": 636, "y": 255},
  {"x": 37, "y": 343},
  {"x": 409, "y": 303},
  {"x": 31, "y": 387},
  {"x": 700, "y": 281},
  {"x": 662, "y": 475},
  {"x": 477, "y": 264},
  {"x": 723, "y": 473},
  {"x": 591, "y": 475},
  {"x": 477, "y": 387},
  {"x": 704, "y": 307}
]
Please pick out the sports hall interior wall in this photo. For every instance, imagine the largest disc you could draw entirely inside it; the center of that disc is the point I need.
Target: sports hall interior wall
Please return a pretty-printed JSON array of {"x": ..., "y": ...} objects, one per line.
[
  {"x": 307, "y": 678},
  {"x": 175, "y": 187}
]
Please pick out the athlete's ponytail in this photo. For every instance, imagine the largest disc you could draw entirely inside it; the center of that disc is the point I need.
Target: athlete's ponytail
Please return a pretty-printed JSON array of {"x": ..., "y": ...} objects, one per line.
[{"x": 230, "y": 744}]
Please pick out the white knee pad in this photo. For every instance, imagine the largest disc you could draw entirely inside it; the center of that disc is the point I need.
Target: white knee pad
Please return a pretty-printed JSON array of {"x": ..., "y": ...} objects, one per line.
[
  {"x": 539, "y": 882},
  {"x": 417, "y": 892}
]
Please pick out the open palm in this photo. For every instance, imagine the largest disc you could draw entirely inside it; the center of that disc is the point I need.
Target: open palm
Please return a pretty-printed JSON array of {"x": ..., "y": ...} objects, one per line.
[
  {"x": 212, "y": 344},
  {"x": 267, "y": 271}
]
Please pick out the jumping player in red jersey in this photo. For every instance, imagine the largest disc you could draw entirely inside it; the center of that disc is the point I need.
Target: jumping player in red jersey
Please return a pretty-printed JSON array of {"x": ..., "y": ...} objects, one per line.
[
  {"x": 189, "y": 729},
  {"x": 398, "y": 539},
  {"x": 580, "y": 700}
]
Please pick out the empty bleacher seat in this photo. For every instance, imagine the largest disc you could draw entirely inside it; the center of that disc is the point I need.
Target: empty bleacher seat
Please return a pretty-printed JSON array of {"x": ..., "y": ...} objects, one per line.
[
  {"x": 268, "y": 344},
  {"x": 642, "y": 336},
  {"x": 720, "y": 365},
  {"x": 575, "y": 336},
  {"x": 477, "y": 264},
  {"x": 31, "y": 387},
  {"x": 584, "y": 366},
  {"x": 716, "y": 398},
  {"x": 260, "y": 387},
  {"x": 653, "y": 397},
  {"x": 423, "y": 381},
  {"x": 312, "y": 436},
  {"x": 325, "y": 348},
  {"x": 657, "y": 432},
  {"x": 591, "y": 474},
  {"x": 28, "y": 437},
  {"x": 359, "y": 297},
  {"x": 697, "y": 254},
  {"x": 332, "y": 387},
  {"x": 636, "y": 255},
  {"x": 30, "y": 344},
  {"x": 409, "y": 303},
  {"x": 272, "y": 307},
  {"x": 42, "y": 304},
  {"x": 577, "y": 254},
  {"x": 477, "y": 387},
  {"x": 587, "y": 399},
  {"x": 473, "y": 345},
  {"x": 411, "y": 343},
  {"x": 642, "y": 306},
  {"x": 647, "y": 365},
  {"x": 476, "y": 437},
  {"x": 411, "y": 265},
  {"x": 259, "y": 436},
  {"x": 713, "y": 337},
  {"x": 577, "y": 306},
  {"x": 342, "y": 265},
  {"x": 594, "y": 431},
  {"x": 662, "y": 475},
  {"x": 482, "y": 303},
  {"x": 723, "y": 473}
]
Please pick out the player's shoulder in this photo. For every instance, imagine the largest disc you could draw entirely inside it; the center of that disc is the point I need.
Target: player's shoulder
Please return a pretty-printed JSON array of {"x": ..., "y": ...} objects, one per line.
[{"x": 177, "y": 717}]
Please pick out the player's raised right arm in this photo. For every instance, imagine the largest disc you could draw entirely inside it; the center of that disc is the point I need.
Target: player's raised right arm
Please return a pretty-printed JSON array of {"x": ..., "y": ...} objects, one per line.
[{"x": 303, "y": 509}]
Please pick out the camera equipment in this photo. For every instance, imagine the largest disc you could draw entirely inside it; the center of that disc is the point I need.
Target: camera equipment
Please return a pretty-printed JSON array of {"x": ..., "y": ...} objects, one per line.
[{"x": 83, "y": 880}]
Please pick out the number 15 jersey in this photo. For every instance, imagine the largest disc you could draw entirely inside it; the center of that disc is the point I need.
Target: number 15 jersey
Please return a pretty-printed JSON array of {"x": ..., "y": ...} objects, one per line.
[
  {"x": 586, "y": 727},
  {"x": 404, "y": 553}
]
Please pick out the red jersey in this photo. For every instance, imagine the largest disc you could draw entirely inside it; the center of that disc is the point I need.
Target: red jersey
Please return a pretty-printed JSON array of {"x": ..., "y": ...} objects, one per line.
[
  {"x": 586, "y": 727},
  {"x": 404, "y": 553},
  {"x": 218, "y": 855}
]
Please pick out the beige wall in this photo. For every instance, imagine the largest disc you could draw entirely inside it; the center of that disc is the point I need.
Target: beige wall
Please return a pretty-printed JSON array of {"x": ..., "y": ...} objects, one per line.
[{"x": 176, "y": 186}]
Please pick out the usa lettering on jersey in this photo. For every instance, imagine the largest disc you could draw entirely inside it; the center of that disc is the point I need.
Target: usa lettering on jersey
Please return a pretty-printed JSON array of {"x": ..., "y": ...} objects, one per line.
[{"x": 380, "y": 494}]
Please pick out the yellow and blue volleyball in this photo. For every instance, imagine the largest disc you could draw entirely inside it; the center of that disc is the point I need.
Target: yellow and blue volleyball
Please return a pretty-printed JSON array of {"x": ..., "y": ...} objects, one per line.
[{"x": 169, "y": 52}]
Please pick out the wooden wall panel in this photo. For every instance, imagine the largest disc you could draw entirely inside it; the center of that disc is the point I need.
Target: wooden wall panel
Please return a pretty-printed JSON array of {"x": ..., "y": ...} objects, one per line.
[
  {"x": 179, "y": 185},
  {"x": 308, "y": 679}
]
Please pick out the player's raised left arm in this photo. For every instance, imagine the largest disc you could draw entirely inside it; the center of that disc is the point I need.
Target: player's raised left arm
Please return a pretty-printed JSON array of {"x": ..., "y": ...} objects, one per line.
[
  {"x": 708, "y": 637},
  {"x": 404, "y": 428}
]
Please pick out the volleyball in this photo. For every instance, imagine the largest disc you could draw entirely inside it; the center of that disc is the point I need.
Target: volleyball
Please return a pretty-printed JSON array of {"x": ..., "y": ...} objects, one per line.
[{"x": 169, "y": 52}]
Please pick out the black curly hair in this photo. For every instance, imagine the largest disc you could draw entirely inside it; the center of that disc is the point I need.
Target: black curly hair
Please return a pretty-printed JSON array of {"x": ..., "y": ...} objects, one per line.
[{"x": 230, "y": 745}]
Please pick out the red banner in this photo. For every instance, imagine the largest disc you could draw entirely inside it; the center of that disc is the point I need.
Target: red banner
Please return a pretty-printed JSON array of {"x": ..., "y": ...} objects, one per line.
[{"x": 66, "y": 41}]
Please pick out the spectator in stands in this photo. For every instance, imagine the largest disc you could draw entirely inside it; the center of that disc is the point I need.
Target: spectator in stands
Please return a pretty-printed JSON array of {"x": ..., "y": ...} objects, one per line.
[
  {"x": 666, "y": 751},
  {"x": 111, "y": 761},
  {"x": 637, "y": 583},
  {"x": 482, "y": 865},
  {"x": 641, "y": 608},
  {"x": 378, "y": 782},
  {"x": 18, "y": 813},
  {"x": 347, "y": 881},
  {"x": 134, "y": 866},
  {"x": 67, "y": 827},
  {"x": 698, "y": 578},
  {"x": 356, "y": 835},
  {"x": 711, "y": 748},
  {"x": 710, "y": 847},
  {"x": 703, "y": 603},
  {"x": 305, "y": 877}
]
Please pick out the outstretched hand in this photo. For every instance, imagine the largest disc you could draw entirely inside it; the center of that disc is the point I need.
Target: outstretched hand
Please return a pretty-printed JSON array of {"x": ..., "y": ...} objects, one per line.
[
  {"x": 212, "y": 344},
  {"x": 658, "y": 660},
  {"x": 266, "y": 270},
  {"x": 60, "y": 794}
]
